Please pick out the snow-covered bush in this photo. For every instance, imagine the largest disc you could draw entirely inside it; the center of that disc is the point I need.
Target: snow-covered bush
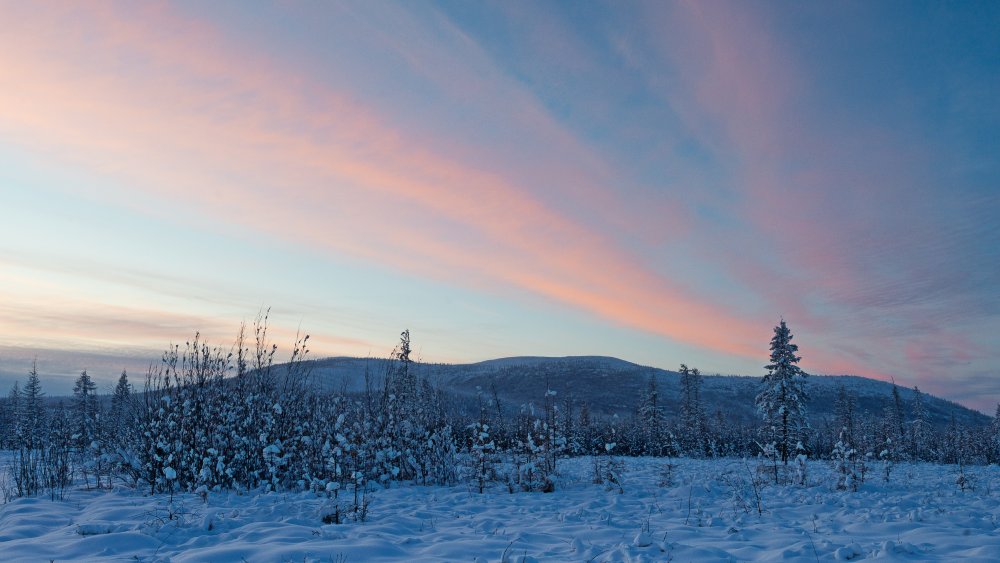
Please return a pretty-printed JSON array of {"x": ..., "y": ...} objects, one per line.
[
  {"x": 800, "y": 464},
  {"x": 965, "y": 480},
  {"x": 483, "y": 452},
  {"x": 529, "y": 469},
  {"x": 843, "y": 464},
  {"x": 538, "y": 444},
  {"x": 440, "y": 457},
  {"x": 745, "y": 488},
  {"x": 667, "y": 473},
  {"x": 217, "y": 432},
  {"x": 608, "y": 469},
  {"x": 887, "y": 464},
  {"x": 767, "y": 461}
]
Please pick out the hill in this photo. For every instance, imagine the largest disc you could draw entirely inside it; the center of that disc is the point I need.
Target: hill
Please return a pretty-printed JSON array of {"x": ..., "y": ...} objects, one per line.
[{"x": 613, "y": 386}]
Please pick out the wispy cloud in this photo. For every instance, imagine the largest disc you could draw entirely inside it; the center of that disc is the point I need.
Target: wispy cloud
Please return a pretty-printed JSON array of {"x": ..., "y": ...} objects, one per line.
[
  {"x": 680, "y": 169},
  {"x": 244, "y": 143},
  {"x": 850, "y": 227}
]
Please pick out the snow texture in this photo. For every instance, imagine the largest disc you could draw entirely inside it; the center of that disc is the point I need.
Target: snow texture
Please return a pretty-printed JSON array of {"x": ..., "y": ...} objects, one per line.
[{"x": 708, "y": 514}]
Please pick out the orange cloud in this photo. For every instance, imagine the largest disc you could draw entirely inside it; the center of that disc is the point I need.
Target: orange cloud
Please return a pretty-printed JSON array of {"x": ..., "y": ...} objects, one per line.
[
  {"x": 812, "y": 193},
  {"x": 170, "y": 109}
]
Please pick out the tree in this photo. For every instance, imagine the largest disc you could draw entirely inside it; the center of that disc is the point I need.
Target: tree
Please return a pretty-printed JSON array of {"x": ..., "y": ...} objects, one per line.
[
  {"x": 56, "y": 466},
  {"x": 951, "y": 451},
  {"x": 652, "y": 419},
  {"x": 888, "y": 444},
  {"x": 120, "y": 428},
  {"x": 692, "y": 416},
  {"x": 13, "y": 430},
  {"x": 30, "y": 436},
  {"x": 994, "y": 445},
  {"x": 84, "y": 411},
  {"x": 83, "y": 435},
  {"x": 895, "y": 418},
  {"x": 920, "y": 431},
  {"x": 585, "y": 430},
  {"x": 844, "y": 414},
  {"x": 33, "y": 412},
  {"x": 483, "y": 449},
  {"x": 121, "y": 397},
  {"x": 782, "y": 399}
]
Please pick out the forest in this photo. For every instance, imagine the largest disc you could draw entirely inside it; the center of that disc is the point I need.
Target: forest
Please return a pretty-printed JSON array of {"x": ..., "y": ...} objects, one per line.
[{"x": 210, "y": 418}]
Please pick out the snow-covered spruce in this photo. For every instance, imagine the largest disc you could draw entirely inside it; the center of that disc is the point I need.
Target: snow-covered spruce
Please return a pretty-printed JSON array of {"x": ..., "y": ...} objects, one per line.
[{"x": 782, "y": 399}]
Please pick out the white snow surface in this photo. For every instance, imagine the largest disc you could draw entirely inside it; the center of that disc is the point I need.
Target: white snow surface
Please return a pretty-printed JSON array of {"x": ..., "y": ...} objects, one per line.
[{"x": 919, "y": 515}]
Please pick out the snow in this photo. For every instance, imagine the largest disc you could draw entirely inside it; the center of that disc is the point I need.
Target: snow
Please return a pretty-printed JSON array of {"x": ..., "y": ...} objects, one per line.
[{"x": 708, "y": 514}]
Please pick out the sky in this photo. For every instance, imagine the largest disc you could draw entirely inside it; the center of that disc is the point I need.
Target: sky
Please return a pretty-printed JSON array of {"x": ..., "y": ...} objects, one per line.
[{"x": 656, "y": 181}]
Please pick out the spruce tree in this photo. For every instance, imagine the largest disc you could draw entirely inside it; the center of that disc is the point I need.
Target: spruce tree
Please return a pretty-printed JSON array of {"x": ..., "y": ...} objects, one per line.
[
  {"x": 782, "y": 399},
  {"x": 898, "y": 420},
  {"x": 585, "y": 430},
  {"x": 888, "y": 446},
  {"x": 652, "y": 419},
  {"x": 120, "y": 398},
  {"x": 33, "y": 412},
  {"x": 120, "y": 427},
  {"x": 692, "y": 415},
  {"x": 31, "y": 436},
  {"x": 919, "y": 427},
  {"x": 951, "y": 452},
  {"x": 83, "y": 424},
  {"x": 994, "y": 442},
  {"x": 13, "y": 436},
  {"x": 84, "y": 411},
  {"x": 483, "y": 449},
  {"x": 844, "y": 414}
]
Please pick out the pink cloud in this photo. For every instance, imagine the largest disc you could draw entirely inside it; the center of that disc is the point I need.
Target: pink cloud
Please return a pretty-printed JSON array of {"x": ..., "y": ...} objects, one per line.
[
  {"x": 819, "y": 245},
  {"x": 166, "y": 107}
]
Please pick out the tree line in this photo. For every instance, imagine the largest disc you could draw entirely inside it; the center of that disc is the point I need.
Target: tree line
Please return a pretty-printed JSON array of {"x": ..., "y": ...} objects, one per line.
[{"x": 207, "y": 418}]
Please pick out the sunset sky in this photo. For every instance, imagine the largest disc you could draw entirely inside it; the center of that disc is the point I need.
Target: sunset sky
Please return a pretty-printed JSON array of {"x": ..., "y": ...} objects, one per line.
[{"x": 660, "y": 182}]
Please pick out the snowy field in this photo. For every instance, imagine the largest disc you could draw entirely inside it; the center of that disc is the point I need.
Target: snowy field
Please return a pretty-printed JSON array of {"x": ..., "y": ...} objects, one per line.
[{"x": 708, "y": 513}]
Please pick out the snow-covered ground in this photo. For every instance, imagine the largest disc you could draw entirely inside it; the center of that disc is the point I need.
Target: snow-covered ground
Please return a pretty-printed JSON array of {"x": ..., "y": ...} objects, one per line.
[{"x": 709, "y": 513}]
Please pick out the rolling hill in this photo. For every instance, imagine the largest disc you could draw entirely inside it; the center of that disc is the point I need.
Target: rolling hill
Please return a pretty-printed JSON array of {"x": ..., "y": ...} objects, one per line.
[{"x": 613, "y": 386}]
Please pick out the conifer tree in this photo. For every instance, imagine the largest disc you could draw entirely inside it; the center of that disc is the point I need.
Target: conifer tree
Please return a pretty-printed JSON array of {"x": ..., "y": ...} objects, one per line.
[
  {"x": 30, "y": 436},
  {"x": 781, "y": 402},
  {"x": 121, "y": 397},
  {"x": 896, "y": 423},
  {"x": 15, "y": 416},
  {"x": 33, "y": 412},
  {"x": 585, "y": 430},
  {"x": 120, "y": 428},
  {"x": 652, "y": 419},
  {"x": 951, "y": 451},
  {"x": 919, "y": 427},
  {"x": 888, "y": 444},
  {"x": 993, "y": 451},
  {"x": 844, "y": 414},
  {"x": 84, "y": 411},
  {"x": 568, "y": 425},
  {"x": 483, "y": 449},
  {"x": 83, "y": 433},
  {"x": 56, "y": 465},
  {"x": 692, "y": 415}
]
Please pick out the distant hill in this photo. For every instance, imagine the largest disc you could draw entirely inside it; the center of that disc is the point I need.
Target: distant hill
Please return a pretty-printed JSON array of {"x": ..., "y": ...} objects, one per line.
[{"x": 613, "y": 386}]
